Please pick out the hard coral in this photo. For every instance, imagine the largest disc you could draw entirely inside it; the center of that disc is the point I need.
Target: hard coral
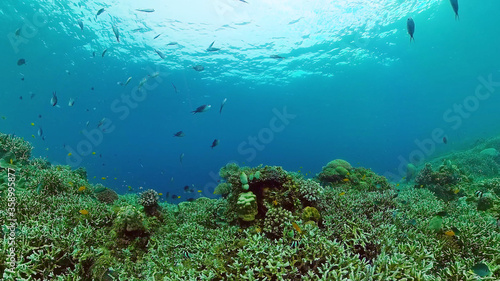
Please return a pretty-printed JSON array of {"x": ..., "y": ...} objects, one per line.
[
  {"x": 335, "y": 171},
  {"x": 149, "y": 199},
  {"x": 276, "y": 220},
  {"x": 106, "y": 195}
]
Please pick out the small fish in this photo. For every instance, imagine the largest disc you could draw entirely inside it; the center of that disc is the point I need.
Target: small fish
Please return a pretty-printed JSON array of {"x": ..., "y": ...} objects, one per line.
[
  {"x": 116, "y": 32},
  {"x": 172, "y": 44},
  {"x": 222, "y": 105},
  {"x": 11, "y": 161},
  {"x": 478, "y": 194},
  {"x": 81, "y": 188},
  {"x": 178, "y": 197},
  {"x": 84, "y": 212},
  {"x": 80, "y": 23},
  {"x": 199, "y": 191},
  {"x": 93, "y": 54},
  {"x": 175, "y": 88},
  {"x": 101, "y": 122},
  {"x": 445, "y": 140},
  {"x": 215, "y": 143},
  {"x": 198, "y": 68},
  {"x": 449, "y": 233},
  {"x": 211, "y": 48},
  {"x": 410, "y": 25},
  {"x": 53, "y": 100},
  {"x": 93, "y": 153},
  {"x": 21, "y": 62},
  {"x": 275, "y": 202},
  {"x": 146, "y": 10},
  {"x": 342, "y": 193},
  {"x": 186, "y": 188},
  {"x": 154, "y": 74},
  {"x": 18, "y": 32},
  {"x": 69, "y": 154},
  {"x": 156, "y": 36},
  {"x": 103, "y": 178},
  {"x": 181, "y": 157},
  {"x": 456, "y": 190},
  {"x": 345, "y": 180},
  {"x": 40, "y": 132},
  {"x": 276, "y": 57},
  {"x": 201, "y": 108},
  {"x": 99, "y": 12},
  {"x": 128, "y": 81},
  {"x": 296, "y": 227},
  {"x": 454, "y": 4},
  {"x": 87, "y": 123},
  {"x": 104, "y": 52},
  {"x": 142, "y": 82},
  {"x": 179, "y": 134},
  {"x": 71, "y": 102},
  {"x": 160, "y": 194},
  {"x": 20, "y": 97},
  {"x": 162, "y": 56}
]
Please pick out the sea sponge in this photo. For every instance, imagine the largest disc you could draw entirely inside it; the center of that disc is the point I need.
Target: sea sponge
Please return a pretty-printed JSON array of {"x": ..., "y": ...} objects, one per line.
[{"x": 247, "y": 206}]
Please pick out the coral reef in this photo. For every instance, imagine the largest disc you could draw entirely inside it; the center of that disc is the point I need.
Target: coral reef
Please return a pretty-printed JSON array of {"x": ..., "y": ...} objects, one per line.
[{"x": 346, "y": 224}]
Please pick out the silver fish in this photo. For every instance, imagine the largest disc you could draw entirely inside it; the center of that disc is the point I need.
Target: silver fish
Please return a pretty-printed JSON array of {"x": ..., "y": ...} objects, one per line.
[
  {"x": 71, "y": 102},
  {"x": 222, "y": 105},
  {"x": 103, "y": 53},
  {"x": 53, "y": 100},
  {"x": 40, "y": 132},
  {"x": 128, "y": 81},
  {"x": 116, "y": 32},
  {"x": 181, "y": 157},
  {"x": 162, "y": 56}
]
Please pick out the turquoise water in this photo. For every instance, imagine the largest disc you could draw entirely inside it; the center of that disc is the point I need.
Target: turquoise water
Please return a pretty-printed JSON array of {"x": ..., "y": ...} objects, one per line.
[{"x": 356, "y": 87}]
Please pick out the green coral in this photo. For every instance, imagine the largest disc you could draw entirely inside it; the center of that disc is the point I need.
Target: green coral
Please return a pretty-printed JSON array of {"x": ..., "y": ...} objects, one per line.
[
  {"x": 334, "y": 171},
  {"x": 247, "y": 206}
]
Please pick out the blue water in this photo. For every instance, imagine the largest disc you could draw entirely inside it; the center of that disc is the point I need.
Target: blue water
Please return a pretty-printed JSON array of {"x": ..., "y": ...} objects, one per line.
[{"x": 356, "y": 87}]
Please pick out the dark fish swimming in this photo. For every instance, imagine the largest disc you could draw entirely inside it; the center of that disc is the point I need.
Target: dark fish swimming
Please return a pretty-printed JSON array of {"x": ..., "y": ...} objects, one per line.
[
  {"x": 40, "y": 132},
  {"x": 454, "y": 4},
  {"x": 80, "y": 23},
  {"x": 157, "y": 36},
  {"x": 222, "y": 105},
  {"x": 99, "y": 12},
  {"x": 276, "y": 57},
  {"x": 445, "y": 140},
  {"x": 215, "y": 143},
  {"x": 172, "y": 44},
  {"x": 21, "y": 62},
  {"x": 198, "y": 67},
  {"x": 179, "y": 134},
  {"x": 175, "y": 88},
  {"x": 53, "y": 100},
  {"x": 410, "y": 25},
  {"x": 201, "y": 108},
  {"x": 211, "y": 48},
  {"x": 103, "y": 53},
  {"x": 146, "y": 10}
]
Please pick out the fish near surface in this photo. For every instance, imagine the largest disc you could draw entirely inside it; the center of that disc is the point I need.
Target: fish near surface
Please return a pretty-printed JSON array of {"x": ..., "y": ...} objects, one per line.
[
  {"x": 215, "y": 143},
  {"x": 410, "y": 25},
  {"x": 454, "y": 4},
  {"x": 116, "y": 32}
]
